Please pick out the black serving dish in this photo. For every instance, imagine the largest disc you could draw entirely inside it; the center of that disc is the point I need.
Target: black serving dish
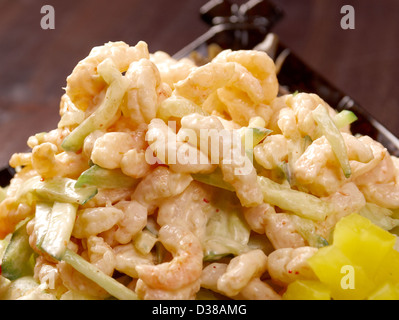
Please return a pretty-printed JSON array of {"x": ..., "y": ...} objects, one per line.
[{"x": 247, "y": 26}]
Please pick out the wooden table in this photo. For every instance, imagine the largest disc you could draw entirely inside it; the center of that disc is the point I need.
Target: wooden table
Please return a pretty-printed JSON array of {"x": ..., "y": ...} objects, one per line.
[{"x": 34, "y": 63}]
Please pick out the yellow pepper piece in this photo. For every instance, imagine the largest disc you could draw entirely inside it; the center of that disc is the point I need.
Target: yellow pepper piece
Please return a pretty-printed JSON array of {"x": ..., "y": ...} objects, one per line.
[
  {"x": 307, "y": 290},
  {"x": 364, "y": 243},
  {"x": 386, "y": 292},
  {"x": 346, "y": 280}
]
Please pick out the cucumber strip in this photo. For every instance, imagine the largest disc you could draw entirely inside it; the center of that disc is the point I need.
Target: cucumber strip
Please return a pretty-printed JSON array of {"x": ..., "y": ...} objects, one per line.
[
  {"x": 303, "y": 204},
  {"x": 113, "y": 287},
  {"x": 103, "y": 115},
  {"x": 334, "y": 137},
  {"x": 62, "y": 220},
  {"x": 42, "y": 220},
  {"x": 18, "y": 260},
  {"x": 214, "y": 179},
  {"x": 55, "y": 189},
  {"x": 105, "y": 178},
  {"x": 251, "y": 137},
  {"x": 344, "y": 118},
  {"x": 177, "y": 107}
]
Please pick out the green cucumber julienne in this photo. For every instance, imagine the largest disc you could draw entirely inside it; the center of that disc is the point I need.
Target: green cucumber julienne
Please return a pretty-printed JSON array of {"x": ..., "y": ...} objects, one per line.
[
  {"x": 55, "y": 189},
  {"x": 18, "y": 259},
  {"x": 60, "y": 225},
  {"x": 105, "y": 178},
  {"x": 334, "y": 137},
  {"x": 112, "y": 286}
]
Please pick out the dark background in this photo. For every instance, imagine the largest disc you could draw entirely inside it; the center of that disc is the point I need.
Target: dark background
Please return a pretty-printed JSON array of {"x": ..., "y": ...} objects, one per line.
[{"x": 34, "y": 63}]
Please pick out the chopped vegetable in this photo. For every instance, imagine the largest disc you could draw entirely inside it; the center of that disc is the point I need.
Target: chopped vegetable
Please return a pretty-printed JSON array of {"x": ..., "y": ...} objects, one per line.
[
  {"x": 213, "y": 179},
  {"x": 307, "y": 290},
  {"x": 334, "y": 137},
  {"x": 61, "y": 222},
  {"x": 344, "y": 118},
  {"x": 42, "y": 220},
  {"x": 104, "y": 114},
  {"x": 300, "y": 203},
  {"x": 105, "y": 178},
  {"x": 18, "y": 259},
  {"x": 55, "y": 189},
  {"x": 380, "y": 216},
  {"x": 112, "y": 286},
  {"x": 226, "y": 231},
  {"x": 177, "y": 107},
  {"x": 359, "y": 263}
]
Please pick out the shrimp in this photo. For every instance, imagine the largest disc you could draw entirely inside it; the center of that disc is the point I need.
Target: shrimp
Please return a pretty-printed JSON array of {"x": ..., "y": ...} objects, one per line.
[
  {"x": 183, "y": 209},
  {"x": 257, "y": 289},
  {"x": 345, "y": 200},
  {"x": 281, "y": 231},
  {"x": 109, "y": 149},
  {"x": 296, "y": 119},
  {"x": 260, "y": 66},
  {"x": 186, "y": 265},
  {"x": 204, "y": 80},
  {"x": 171, "y": 70},
  {"x": 241, "y": 270},
  {"x": 160, "y": 184},
  {"x": 101, "y": 255},
  {"x": 145, "y": 91},
  {"x": 254, "y": 290},
  {"x": 93, "y": 221},
  {"x": 286, "y": 265},
  {"x": 84, "y": 83},
  {"x": 318, "y": 170},
  {"x": 179, "y": 155},
  {"x": 48, "y": 163},
  {"x": 133, "y": 221},
  {"x": 256, "y": 216},
  {"x": 272, "y": 151},
  {"x": 380, "y": 183},
  {"x": 185, "y": 293},
  {"x": 236, "y": 167}
]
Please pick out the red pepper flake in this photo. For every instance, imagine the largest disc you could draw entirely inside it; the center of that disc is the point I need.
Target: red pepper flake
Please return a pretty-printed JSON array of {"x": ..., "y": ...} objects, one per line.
[
  {"x": 289, "y": 271},
  {"x": 206, "y": 200},
  {"x": 41, "y": 179},
  {"x": 217, "y": 210},
  {"x": 296, "y": 272}
]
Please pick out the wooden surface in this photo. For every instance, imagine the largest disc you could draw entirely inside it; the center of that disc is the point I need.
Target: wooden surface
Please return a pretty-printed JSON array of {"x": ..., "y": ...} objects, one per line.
[{"x": 34, "y": 63}]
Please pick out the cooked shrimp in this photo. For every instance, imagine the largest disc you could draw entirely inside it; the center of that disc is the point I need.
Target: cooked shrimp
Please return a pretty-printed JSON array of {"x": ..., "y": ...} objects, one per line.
[
  {"x": 84, "y": 83},
  {"x": 185, "y": 293},
  {"x": 186, "y": 265},
  {"x": 180, "y": 156},
  {"x": 144, "y": 93},
  {"x": 160, "y": 184},
  {"x": 183, "y": 209},
  {"x": 101, "y": 255},
  {"x": 229, "y": 153},
  {"x": 286, "y": 265},
  {"x": 260, "y": 66},
  {"x": 93, "y": 221},
  {"x": 241, "y": 270},
  {"x": 133, "y": 221},
  {"x": 49, "y": 164},
  {"x": 281, "y": 231},
  {"x": 171, "y": 70},
  {"x": 256, "y": 216}
]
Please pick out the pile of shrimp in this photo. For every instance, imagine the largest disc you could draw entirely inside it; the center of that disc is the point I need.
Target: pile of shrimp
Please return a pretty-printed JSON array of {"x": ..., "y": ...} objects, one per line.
[{"x": 235, "y": 89}]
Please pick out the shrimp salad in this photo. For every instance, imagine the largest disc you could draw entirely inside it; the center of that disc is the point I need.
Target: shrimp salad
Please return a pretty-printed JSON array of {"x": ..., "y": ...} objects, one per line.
[{"x": 165, "y": 179}]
